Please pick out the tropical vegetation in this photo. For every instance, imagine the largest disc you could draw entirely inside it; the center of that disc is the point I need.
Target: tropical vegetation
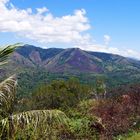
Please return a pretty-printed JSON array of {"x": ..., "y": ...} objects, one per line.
[{"x": 66, "y": 108}]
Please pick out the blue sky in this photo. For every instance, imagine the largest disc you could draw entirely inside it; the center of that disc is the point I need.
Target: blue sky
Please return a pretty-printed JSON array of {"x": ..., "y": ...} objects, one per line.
[{"x": 98, "y": 25}]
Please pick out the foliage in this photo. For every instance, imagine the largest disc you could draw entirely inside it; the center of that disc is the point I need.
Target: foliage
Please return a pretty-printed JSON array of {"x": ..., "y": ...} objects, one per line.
[
  {"x": 26, "y": 125},
  {"x": 80, "y": 128},
  {"x": 7, "y": 95},
  {"x": 135, "y": 136},
  {"x": 132, "y": 135},
  {"x": 81, "y": 121},
  {"x": 60, "y": 94},
  {"x": 85, "y": 106},
  {"x": 85, "y": 117},
  {"x": 6, "y": 52},
  {"x": 7, "y": 87},
  {"x": 34, "y": 124},
  {"x": 31, "y": 79},
  {"x": 100, "y": 88},
  {"x": 119, "y": 115}
]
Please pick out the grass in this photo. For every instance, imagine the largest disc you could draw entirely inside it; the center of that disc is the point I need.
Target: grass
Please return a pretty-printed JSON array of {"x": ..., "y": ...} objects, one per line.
[
  {"x": 130, "y": 136},
  {"x": 136, "y": 136}
]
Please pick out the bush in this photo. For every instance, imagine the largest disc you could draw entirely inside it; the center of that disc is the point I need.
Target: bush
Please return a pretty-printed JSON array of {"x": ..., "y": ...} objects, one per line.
[
  {"x": 59, "y": 94},
  {"x": 119, "y": 115}
]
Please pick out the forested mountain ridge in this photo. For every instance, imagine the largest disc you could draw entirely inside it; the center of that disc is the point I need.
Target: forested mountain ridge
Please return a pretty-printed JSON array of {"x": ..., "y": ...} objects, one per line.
[
  {"x": 35, "y": 66},
  {"x": 72, "y": 60}
]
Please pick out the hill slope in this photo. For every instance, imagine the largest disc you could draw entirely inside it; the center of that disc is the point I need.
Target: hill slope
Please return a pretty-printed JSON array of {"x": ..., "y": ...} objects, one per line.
[
  {"x": 36, "y": 66},
  {"x": 72, "y": 60}
]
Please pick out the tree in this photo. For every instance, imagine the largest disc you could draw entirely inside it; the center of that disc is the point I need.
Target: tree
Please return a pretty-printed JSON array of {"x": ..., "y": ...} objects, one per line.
[
  {"x": 25, "y": 125},
  {"x": 100, "y": 89},
  {"x": 59, "y": 94}
]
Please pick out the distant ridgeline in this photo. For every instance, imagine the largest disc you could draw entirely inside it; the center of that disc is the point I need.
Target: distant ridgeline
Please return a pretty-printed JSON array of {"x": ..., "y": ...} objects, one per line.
[{"x": 36, "y": 66}]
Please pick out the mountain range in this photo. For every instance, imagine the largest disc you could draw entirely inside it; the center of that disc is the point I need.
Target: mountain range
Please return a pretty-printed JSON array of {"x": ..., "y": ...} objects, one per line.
[
  {"x": 36, "y": 65},
  {"x": 71, "y": 60}
]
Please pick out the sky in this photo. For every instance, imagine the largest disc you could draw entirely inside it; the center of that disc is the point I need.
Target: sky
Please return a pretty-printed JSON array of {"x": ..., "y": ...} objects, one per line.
[{"x": 110, "y": 26}]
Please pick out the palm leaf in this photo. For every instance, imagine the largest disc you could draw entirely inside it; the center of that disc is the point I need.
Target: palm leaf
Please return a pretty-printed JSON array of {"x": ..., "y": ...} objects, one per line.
[
  {"x": 37, "y": 122},
  {"x": 7, "y": 93},
  {"x": 5, "y": 52}
]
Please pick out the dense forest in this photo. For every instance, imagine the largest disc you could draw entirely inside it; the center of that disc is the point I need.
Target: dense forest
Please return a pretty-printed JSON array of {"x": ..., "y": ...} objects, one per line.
[{"x": 68, "y": 109}]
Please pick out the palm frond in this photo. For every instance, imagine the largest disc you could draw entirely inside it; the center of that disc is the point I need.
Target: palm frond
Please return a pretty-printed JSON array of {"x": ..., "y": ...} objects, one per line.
[
  {"x": 6, "y": 51},
  {"x": 46, "y": 121},
  {"x": 7, "y": 93}
]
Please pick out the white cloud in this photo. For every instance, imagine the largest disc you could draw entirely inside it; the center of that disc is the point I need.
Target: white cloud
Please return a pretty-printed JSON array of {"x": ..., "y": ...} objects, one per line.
[
  {"x": 44, "y": 27},
  {"x": 42, "y": 10},
  {"x": 114, "y": 50},
  {"x": 107, "y": 39},
  {"x": 4, "y": 1}
]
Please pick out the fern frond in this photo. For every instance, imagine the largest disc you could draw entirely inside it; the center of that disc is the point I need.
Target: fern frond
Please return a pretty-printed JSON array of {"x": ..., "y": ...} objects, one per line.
[
  {"x": 7, "y": 93},
  {"x": 36, "y": 122}
]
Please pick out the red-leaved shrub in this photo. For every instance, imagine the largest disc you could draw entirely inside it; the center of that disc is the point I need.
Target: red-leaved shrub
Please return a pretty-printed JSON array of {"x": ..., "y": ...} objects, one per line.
[{"x": 119, "y": 114}]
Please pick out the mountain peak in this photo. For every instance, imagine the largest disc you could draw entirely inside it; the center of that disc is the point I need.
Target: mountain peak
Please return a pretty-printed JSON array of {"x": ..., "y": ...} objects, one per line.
[{"x": 75, "y": 60}]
